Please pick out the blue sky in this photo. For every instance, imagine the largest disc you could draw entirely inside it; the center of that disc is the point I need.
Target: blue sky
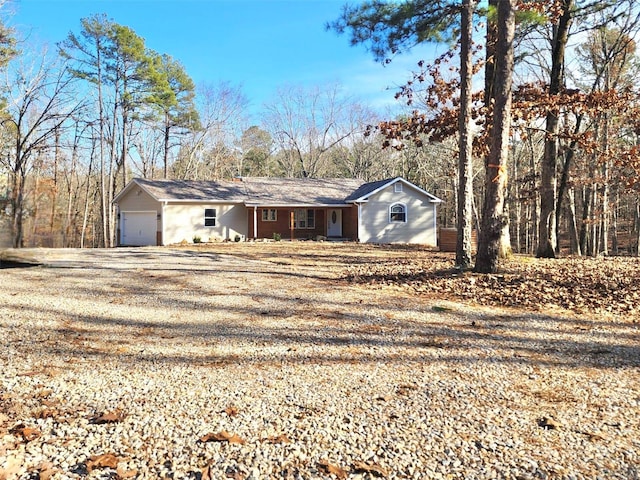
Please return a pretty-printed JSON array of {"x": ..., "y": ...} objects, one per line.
[{"x": 258, "y": 45}]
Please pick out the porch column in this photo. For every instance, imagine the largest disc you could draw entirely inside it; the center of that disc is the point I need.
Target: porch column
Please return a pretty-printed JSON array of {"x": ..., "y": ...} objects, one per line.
[
  {"x": 291, "y": 220},
  {"x": 255, "y": 222}
]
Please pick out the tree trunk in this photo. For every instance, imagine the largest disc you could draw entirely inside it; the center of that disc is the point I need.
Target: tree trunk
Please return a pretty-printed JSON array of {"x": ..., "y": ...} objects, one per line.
[
  {"x": 573, "y": 227},
  {"x": 465, "y": 173},
  {"x": 493, "y": 218},
  {"x": 614, "y": 224},
  {"x": 547, "y": 234},
  {"x": 564, "y": 178},
  {"x": 54, "y": 192},
  {"x": 637, "y": 229},
  {"x": 17, "y": 205},
  {"x": 604, "y": 219}
]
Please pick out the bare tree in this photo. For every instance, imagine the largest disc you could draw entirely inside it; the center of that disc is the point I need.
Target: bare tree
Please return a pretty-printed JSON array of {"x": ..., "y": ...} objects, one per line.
[
  {"x": 307, "y": 124},
  {"x": 209, "y": 152},
  {"x": 39, "y": 102}
]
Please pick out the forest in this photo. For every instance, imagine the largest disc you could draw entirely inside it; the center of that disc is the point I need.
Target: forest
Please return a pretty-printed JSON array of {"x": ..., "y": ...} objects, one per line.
[{"x": 79, "y": 122}]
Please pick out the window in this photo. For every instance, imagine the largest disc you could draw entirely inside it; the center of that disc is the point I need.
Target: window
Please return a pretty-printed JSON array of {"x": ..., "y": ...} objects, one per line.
[
  {"x": 209, "y": 217},
  {"x": 269, "y": 214},
  {"x": 397, "y": 213},
  {"x": 304, "y": 218},
  {"x": 397, "y": 187}
]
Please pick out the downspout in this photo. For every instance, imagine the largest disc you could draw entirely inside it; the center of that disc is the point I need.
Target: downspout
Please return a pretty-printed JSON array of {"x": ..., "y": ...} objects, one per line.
[
  {"x": 359, "y": 222},
  {"x": 435, "y": 224},
  {"x": 162, "y": 222},
  {"x": 255, "y": 222}
]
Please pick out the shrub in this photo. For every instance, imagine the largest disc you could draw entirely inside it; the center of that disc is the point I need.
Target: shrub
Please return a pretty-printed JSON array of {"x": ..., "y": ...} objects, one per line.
[
  {"x": 197, "y": 239},
  {"x": 277, "y": 237}
]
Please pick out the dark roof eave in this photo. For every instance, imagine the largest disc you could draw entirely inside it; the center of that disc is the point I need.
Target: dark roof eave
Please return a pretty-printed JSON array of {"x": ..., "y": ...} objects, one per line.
[{"x": 297, "y": 205}]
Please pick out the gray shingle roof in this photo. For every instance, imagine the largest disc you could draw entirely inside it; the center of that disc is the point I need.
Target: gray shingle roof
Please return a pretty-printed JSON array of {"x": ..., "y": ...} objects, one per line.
[
  {"x": 366, "y": 188},
  {"x": 194, "y": 190},
  {"x": 264, "y": 191},
  {"x": 299, "y": 191},
  {"x": 255, "y": 190}
]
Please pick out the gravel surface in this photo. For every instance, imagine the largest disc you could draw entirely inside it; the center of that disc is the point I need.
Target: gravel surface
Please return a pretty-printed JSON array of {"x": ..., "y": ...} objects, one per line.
[{"x": 212, "y": 364}]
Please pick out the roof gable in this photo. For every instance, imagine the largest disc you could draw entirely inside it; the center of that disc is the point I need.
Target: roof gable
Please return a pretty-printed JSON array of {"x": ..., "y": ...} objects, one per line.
[{"x": 363, "y": 193}]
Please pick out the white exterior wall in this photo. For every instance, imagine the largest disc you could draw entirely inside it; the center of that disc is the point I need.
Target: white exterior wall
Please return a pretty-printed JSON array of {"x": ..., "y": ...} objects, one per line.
[
  {"x": 419, "y": 227},
  {"x": 137, "y": 200},
  {"x": 183, "y": 221}
]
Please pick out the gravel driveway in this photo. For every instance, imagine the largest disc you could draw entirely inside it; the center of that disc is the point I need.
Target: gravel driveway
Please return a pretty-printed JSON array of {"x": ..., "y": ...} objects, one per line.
[{"x": 204, "y": 364}]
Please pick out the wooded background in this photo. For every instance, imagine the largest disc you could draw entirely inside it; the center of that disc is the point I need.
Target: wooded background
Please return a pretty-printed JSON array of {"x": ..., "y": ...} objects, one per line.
[{"x": 78, "y": 124}]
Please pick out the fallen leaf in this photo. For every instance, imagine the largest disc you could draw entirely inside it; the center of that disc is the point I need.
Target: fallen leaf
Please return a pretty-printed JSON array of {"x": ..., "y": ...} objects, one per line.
[
  {"x": 106, "y": 460},
  {"x": 327, "y": 467},
  {"x": 591, "y": 435},
  {"x": 279, "y": 439},
  {"x": 405, "y": 389},
  {"x": 372, "y": 468},
  {"x": 231, "y": 411},
  {"x": 46, "y": 471},
  {"x": 206, "y": 473},
  {"x": 222, "y": 436},
  {"x": 549, "y": 423},
  {"x": 27, "y": 433},
  {"x": 45, "y": 413},
  {"x": 108, "y": 417},
  {"x": 384, "y": 398},
  {"x": 44, "y": 393},
  {"x": 11, "y": 468}
]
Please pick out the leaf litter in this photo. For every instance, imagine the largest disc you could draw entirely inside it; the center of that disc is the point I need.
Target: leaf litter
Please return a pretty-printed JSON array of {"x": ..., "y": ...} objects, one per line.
[{"x": 582, "y": 285}]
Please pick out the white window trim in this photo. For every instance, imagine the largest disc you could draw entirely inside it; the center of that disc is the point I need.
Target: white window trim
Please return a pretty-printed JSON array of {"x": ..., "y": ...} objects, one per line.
[
  {"x": 268, "y": 214},
  {"x": 296, "y": 224},
  {"x": 214, "y": 217},
  {"x": 404, "y": 207}
]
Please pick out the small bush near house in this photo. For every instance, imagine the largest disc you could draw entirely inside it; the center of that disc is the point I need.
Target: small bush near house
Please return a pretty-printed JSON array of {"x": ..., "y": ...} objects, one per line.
[
  {"x": 197, "y": 239},
  {"x": 277, "y": 237},
  {"x": 237, "y": 238}
]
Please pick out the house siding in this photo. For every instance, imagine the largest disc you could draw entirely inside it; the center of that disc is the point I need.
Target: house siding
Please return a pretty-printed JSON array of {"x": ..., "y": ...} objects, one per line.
[
  {"x": 184, "y": 221},
  {"x": 419, "y": 227},
  {"x": 137, "y": 200}
]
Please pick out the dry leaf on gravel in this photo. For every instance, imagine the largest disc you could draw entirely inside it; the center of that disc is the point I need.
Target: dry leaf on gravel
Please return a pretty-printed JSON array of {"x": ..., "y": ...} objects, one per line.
[
  {"x": 206, "y": 473},
  {"x": 405, "y": 389},
  {"x": 372, "y": 468},
  {"x": 106, "y": 460},
  {"x": 12, "y": 467},
  {"x": 232, "y": 411},
  {"x": 279, "y": 439},
  {"x": 27, "y": 433},
  {"x": 46, "y": 471},
  {"x": 327, "y": 467},
  {"x": 108, "y": 417},
  {"x": 549, "y": 423},
  {"x": 222, "y": 436}
]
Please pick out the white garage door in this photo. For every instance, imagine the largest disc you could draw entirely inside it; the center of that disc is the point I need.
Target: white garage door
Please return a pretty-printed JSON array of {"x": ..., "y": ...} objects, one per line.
[{"x": 138, "y": 228}]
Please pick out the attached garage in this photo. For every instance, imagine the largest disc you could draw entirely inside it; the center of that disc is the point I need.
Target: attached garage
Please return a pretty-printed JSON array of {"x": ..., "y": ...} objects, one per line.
[{"x": 138, "y": 228}]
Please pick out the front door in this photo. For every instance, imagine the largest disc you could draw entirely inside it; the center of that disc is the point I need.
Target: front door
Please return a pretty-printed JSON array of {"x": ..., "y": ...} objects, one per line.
[{"x": 334, "y": 223}]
